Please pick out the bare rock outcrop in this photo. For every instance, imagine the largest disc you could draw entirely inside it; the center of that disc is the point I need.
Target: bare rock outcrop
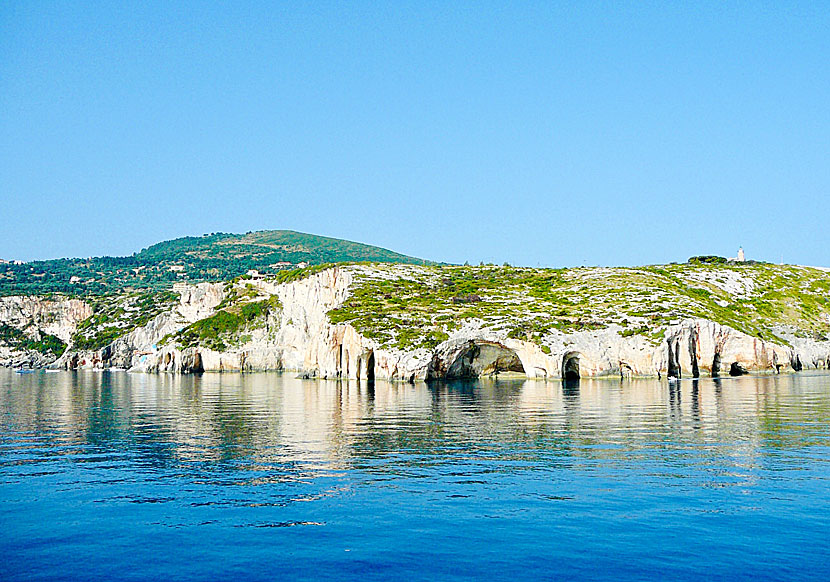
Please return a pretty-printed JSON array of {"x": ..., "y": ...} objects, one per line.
[
  {"x": 34, "y": 317},
  {"x": 58, "y": 317}
]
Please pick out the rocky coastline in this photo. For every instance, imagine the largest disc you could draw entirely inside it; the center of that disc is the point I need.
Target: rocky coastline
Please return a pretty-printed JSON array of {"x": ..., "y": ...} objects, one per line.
[{"x": 299, "y": 336}]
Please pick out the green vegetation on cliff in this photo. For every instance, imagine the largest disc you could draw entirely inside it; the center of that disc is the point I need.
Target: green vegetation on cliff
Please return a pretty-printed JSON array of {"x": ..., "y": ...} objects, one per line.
[
  {"x": 117, "y": 315},
  {"x": 227, "y": 326},
  {"x": 16, "y": 339},
  {"x": 409, "y": 307}
]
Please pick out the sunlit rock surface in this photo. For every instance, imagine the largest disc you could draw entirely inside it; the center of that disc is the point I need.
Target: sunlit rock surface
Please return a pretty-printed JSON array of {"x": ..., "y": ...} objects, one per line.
[{"x": 299, "y": 336}]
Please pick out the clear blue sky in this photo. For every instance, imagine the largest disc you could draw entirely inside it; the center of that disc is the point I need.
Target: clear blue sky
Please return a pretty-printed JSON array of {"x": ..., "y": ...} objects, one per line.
[{"x": 535, "y": 133}]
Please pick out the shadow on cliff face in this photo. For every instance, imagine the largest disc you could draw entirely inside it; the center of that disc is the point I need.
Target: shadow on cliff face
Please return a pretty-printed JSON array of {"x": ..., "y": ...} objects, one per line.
[
  {"x": 366, "y": 366},
  {"x": 481, "y": 358}
]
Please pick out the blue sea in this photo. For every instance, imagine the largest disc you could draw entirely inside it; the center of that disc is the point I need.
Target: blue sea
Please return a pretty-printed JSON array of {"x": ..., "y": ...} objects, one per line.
[{"x": 107, "y": 475}]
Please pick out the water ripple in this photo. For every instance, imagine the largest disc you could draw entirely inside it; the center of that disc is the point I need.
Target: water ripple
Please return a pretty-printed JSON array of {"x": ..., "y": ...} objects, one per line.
[{"x": 197, "y": 474}]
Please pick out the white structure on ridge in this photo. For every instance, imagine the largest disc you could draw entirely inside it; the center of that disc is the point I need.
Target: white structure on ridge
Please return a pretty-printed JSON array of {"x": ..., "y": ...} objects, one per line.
[{"x": 741, "y": 258}]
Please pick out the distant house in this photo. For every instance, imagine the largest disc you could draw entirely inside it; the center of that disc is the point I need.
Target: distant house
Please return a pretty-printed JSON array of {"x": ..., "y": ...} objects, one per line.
[
  {"x": 302, "y": 265},
  {"x": 254, "y": 274},
  {"x": 75, "y": 279},
  {"x": 176, "y": 268}
]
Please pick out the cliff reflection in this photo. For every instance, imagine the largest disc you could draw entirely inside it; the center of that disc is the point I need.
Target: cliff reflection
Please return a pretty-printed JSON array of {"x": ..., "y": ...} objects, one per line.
[{"x": 270, "y": 420}]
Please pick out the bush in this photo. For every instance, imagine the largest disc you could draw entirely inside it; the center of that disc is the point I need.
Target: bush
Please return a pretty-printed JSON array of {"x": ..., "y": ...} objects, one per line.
[{"x": 708, "y": 260}]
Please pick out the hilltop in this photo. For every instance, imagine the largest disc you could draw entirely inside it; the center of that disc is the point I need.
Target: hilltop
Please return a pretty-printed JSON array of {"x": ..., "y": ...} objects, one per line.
[{"x": 211, "y": 257}]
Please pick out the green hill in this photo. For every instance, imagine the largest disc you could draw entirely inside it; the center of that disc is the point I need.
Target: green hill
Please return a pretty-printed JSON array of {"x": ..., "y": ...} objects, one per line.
[
  {"x": 212, "y": 257},
  {"x": 267, "y": 247}
]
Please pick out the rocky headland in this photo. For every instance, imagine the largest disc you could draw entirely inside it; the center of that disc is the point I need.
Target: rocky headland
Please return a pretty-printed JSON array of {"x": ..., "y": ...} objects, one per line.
[{"x": 410, "y": 323}]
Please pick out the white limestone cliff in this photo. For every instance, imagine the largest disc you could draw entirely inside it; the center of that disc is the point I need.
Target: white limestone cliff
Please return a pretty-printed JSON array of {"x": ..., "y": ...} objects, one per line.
[
  {"x": 195, "y": 303},
  {"x": 35, "y": 316},
  {"x": 299, "y": 337},
  {"x": 58, "y": 317}
]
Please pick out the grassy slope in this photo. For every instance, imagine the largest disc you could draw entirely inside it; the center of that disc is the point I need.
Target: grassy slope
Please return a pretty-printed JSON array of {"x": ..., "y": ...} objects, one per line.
[{"x": 406, "y": 307}]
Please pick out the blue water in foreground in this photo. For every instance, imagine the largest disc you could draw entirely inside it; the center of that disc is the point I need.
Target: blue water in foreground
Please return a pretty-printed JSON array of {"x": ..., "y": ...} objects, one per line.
[{"x": 267, "y": 477}]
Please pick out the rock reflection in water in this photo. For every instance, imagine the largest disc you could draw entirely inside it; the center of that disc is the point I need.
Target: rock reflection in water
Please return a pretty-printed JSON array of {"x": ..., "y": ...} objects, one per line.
[
  {"x": 267, "y": 474},
  {"x": 281, "y": 418}
]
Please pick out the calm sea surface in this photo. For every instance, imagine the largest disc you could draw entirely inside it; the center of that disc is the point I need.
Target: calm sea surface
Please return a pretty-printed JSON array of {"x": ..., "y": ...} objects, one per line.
[{"x": 267, "y": 477}]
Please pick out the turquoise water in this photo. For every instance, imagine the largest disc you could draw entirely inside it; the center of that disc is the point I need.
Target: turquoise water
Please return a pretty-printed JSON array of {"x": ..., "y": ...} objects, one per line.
[{"x": 267, "y": 477}]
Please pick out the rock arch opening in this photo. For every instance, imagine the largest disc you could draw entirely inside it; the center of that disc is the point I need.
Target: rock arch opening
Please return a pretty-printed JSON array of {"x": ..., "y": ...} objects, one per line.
[
  {"x": 736, "y": 369},
  {"x": 198, "y": 366},
  {"x": 370, "y": 367},
  {"x": 796, "y": 364},
  {"x": 570, "y": 366},
  {"x": 484, "y": 359}
]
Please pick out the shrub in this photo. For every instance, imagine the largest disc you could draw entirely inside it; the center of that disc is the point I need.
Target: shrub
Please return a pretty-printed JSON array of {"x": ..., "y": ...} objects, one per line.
[{"x": 708, "y": 259}]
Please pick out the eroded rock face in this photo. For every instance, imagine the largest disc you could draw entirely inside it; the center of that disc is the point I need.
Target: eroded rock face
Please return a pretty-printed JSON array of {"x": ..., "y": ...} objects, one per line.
[
  {"x": 690, "y": 349},
  {"x": 56, "y": 317},
  {"x": 702, "y": 347},
  {"x": 141, "y": 345},
  {"x": 299, "y": 337},
  {"x": 36, "y": 316}
]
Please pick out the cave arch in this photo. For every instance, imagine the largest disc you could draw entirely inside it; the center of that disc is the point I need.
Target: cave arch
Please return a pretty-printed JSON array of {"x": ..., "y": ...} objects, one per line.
[
  {"x": 370, "y": 367},
  {"x": 570, "y": 366},
  {"x": 736, "y": 369},
  {"x": 198, "y": 366},
  {"x": 484, "y": 358}
]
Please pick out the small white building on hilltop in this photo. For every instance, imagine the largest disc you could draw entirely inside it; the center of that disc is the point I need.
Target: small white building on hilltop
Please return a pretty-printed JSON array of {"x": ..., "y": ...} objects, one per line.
[{"x": 741, "y": 258}]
